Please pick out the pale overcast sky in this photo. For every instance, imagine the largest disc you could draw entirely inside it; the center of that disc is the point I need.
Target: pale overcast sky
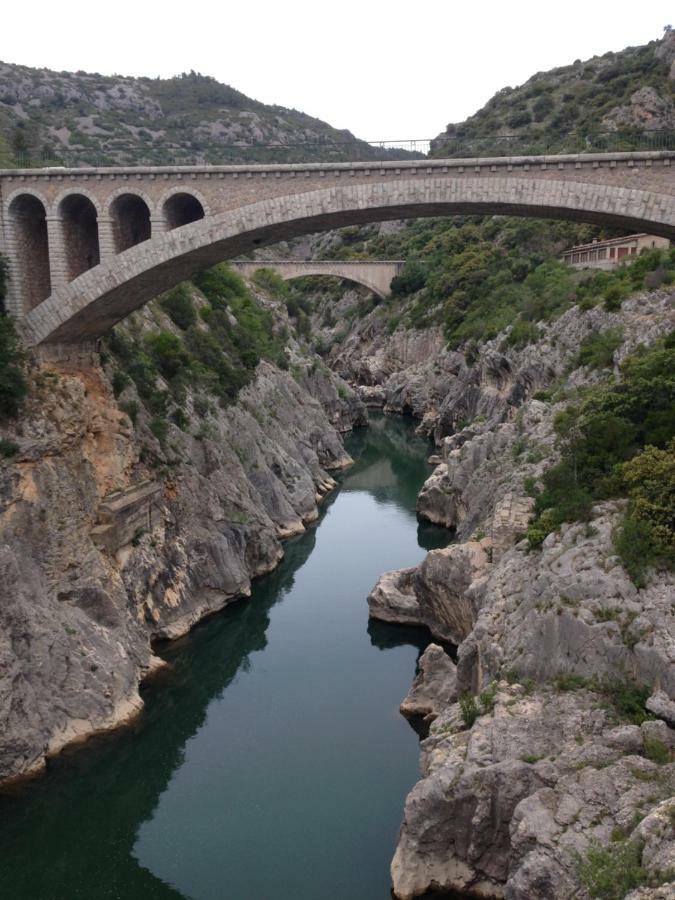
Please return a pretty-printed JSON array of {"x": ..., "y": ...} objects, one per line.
[{"x": 385, "y": 70}]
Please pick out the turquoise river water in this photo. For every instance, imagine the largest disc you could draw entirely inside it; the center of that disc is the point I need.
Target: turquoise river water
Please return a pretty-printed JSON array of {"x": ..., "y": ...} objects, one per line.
[{"x": 271, "y": 762}]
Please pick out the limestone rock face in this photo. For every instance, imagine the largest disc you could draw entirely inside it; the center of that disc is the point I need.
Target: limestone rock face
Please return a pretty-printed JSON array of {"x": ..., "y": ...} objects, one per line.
[
  {"x": 434, "y": 687},
  {"x": 81, "y": 596},
  {"x": 393, "y": 598},
  {"x": 662, "y": 706},
  {"x": 433, "y": 594},
  {"x": 441, "y": 583},
  {"x": 647, "y": 109},
  {"x": 504, "y": 808},
  {"x": 509, "y": 802},
  {"x": 571, "y": 609},
  {"x": 445, "y": 498}
]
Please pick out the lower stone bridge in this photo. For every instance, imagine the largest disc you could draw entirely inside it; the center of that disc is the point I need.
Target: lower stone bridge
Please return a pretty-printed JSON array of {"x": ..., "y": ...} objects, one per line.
[
  {"x": 86, "y": 247},
  {"x": 376, "y": 275}
]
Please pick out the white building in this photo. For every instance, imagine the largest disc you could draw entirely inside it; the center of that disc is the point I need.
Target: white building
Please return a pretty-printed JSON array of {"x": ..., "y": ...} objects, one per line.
[{"x": 611, "y": 253}]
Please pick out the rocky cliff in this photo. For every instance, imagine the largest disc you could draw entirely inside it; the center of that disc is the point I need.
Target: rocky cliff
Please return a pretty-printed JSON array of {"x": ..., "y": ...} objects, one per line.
[
  {"x": 547, "y": 769},
  {"x": 119, "y": 527}
]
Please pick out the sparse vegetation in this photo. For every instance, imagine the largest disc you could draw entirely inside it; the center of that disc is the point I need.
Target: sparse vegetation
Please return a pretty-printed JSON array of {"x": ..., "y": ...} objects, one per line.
[
  {"x": 469, "y": 709},
  {"x": 618, "y": 442},
  {"x": 610, "y": 872}
]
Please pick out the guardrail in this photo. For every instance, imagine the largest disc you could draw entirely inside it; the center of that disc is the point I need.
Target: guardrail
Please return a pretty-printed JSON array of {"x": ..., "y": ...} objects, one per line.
[{"x": 458, "y": 145}]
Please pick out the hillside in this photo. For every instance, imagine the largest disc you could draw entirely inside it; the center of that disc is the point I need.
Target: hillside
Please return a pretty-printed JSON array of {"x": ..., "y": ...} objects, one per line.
[
  {"x": 63, "y": 118},
  {"x": 619, "y": 100}
]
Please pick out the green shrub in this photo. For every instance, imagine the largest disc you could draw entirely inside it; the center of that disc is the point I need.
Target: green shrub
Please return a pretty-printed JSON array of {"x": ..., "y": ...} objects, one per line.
[
  {"x": 599, "y": 441},
  {"x": 568, "y": 681},
  {"x": 270, "y": 281},
  {"x": 650, "y": 479},
  {"x": 597, "y": 349},
  {"x": 179, "y": 307},
  {"x": 627, "y": 698},
  {"x": 167, "y": 352},
  {"x": 609, "y": 873},
  {"x": 469, "y": 709},
  {"x": 634, "y": 545},
  {"x": 131, "y": 409},
  {"x": 614, "y": 295},
  {"x": 160, "y": 428},
  {"x": 8, "y": 448},
  {"x": 119, "y": 381},
  {"x": 521, "y": 334},
  {"x": 179, "y": 418},
  {"x": 411, "y": 278},
  {"x": 220, "y": 285},
  {"x": 487, "y": 697},
  {"x": 656, "y": 751},
  {"x": 13, "y": 385}
]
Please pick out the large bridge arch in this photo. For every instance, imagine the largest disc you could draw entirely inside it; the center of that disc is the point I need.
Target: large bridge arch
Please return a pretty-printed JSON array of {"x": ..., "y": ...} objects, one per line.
[{"x": 92, "y": 303}]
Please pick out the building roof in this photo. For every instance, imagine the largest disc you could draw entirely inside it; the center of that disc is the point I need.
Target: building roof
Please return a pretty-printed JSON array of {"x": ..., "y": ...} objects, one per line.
[{"x": 610, "y": 242}]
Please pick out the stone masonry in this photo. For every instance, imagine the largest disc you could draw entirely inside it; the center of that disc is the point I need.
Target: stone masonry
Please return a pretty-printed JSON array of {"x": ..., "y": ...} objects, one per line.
[{"x": 230, "y": 210}]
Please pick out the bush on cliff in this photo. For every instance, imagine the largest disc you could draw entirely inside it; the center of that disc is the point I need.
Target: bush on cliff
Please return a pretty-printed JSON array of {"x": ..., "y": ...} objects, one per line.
[
  {"x": 620, "y": 442},
  {"x": 13, "y": 385},
  {"x": 217, "y": 355},
  {"x": 179, "y": 307}
]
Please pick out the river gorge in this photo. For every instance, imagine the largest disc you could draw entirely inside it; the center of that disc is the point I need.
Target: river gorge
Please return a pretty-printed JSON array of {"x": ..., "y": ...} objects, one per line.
[{"x": 271, "y": 760}]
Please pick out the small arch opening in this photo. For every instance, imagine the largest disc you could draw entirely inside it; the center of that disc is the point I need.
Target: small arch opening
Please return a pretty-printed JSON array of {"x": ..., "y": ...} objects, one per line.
[
  {"x": 28, "y": 219},
  {"x": 181, "y": 209},
  {"x": 80, "y": 234},
  {"x": 130, "y": 221}
]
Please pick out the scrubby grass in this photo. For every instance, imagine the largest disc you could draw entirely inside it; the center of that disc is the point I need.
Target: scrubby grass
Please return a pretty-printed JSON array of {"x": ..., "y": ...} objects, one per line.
[
  {"x": 623, "y": 697},
  {"x": 469, "y": 709},
  {"x": 610, "y": 872}
]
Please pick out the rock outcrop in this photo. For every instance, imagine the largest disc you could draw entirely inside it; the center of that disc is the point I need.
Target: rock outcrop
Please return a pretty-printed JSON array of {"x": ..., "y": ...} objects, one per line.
[
  {"x": 111, "y": 538},
  {"x": 509, "y": 807},
  {"x": 434, "y": 687}
]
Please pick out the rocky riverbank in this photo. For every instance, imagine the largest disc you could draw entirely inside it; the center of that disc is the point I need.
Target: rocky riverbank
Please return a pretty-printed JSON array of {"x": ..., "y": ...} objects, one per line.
[
  {"x": 548, "y": 764},
  {"x": 115, "y": 533}
]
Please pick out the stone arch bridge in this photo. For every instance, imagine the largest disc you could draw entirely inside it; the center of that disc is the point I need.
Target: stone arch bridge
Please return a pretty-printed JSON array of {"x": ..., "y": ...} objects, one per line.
[
  {"x": 376, "y": 275},
  {"x": 86, "y": 247}
]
